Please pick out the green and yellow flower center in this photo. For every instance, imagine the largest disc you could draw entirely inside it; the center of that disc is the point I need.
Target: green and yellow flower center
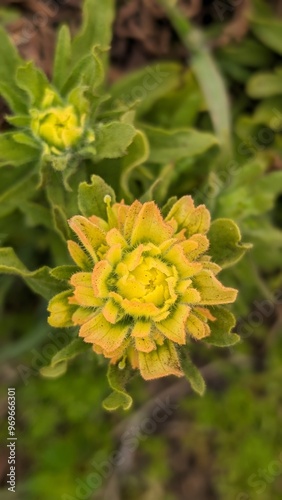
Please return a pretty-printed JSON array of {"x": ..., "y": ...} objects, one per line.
[
  {"x": 145, "y": 286},
  {"x": 59, "y": 127}
]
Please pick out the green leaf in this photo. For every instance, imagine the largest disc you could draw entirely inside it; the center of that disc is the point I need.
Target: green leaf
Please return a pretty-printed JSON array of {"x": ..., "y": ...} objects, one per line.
[
  {"x": 12, "y": 153},
  {"x": 145, "y": 86},
  {"x": 168, "y": 146},
  {"x": 118, "y": 378},
  {"x": 137, "y": 154},
  {"x": 33, "y": 81},
  {"x": 37, "y": 215},
  {"x": 9, "y": 62},
  {"x": 87, "y": 72},
  {"x": 64, "y": 273},
  {"x": 91, "y": 197},
  {"x": 113, "y": 139},
  {"x": 266, "y": 26},
  {"x": 225, "y": 243},
  {"x": 220, "y": 329},
  {"x": 192, "y": 373},
  {"x": 96, "y": 28},
  {"x": 265, "y": 84},
  {"x": 58, "y": 365},
  {"x": 14, "y": 98},
  {"x": 16, "y": 188},
  {"x": 40, "y": 281},
  {"x": 62, "y": 58}
]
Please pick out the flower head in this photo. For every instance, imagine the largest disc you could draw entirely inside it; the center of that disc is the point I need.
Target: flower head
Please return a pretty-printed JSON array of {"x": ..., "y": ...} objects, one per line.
[
  {"x": 146, "y": 284},
  {"x": 59, "y": 126}
]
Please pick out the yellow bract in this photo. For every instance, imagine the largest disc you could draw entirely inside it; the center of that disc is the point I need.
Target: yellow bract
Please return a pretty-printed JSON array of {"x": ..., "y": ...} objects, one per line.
[{"x": 145, "y": 284}]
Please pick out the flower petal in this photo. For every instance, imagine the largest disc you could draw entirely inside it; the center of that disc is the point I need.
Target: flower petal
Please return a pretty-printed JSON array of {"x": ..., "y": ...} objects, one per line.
[
  {"x": 60, "y": 310},
  {"x": 211, "y": 290},
  {"x": 199, "y": 221},
  {"x": 90, "y": 235},
  {"x": 99, "y": 331},
  {"x": 78, "y": 255},
  {"x": 141, "y": 329},
  {"x": 161, "y": 362},
  {"x": 101, "y": 273},
  {"x": 130, "y": 218},
  {"x": 145, "y": 344},
  {"x": 174, "y": 326},
  {"x": 84, "y": 292},
  {"x": 150, "y": 226},
  {"x": 197, "y": 328}
]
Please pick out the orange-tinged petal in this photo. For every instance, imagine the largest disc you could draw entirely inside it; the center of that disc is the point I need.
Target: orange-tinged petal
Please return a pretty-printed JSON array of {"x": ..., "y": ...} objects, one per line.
[
  {"x": 205, "y": 313},
  {"x": 145, "y": 344},
  {"x": 60, "y": 310},
  {"x": 78, "y": 255},
  {"x": 185, "y": 268},
  {"x": 174, "y": 326},
  {"x": 150, "y": 226},
  {"x": 197, "y": 328},
  {"x": 161, "y": 362},
  {"x": 212, "y": 291},
  {"x": 130, "y": 218},
  {"x": 81, "y": 315},
  {"x": 100, "y": 275},
  {"x": 139, "y": 309},
  {"x": 141, "y": 329},
  {"x": 114, "y": 237},
  {"x": 134, "y": 258},
  {"x": 195, "y": 246},
  {"x": 84, "y": 292},
  {"x": 111, "y": 311},
  {"x": 99, "y": 331},
  {"x": 101, "y": 223},
  {"x": 91, "y": 236}
]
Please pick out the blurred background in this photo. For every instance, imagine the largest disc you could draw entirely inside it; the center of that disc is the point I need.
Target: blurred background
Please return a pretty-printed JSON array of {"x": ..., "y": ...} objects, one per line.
[{"x": 172, "y": 444}]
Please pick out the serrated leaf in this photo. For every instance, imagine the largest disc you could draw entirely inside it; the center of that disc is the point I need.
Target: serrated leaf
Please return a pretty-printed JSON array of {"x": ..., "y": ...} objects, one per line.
[
  {"x": 58, "y": 365},
  {"x": 118, "y": 378},
  {"x": 91, "y": 197},
  {"x": 220, "y": 329},
  {"x": 225, "y": 243},
  {"x": 12, "y": 153},
  {"x": 169, "y": 146},
  {"x": 40, "y": 281},
  {"x": 113, "y": 139},
  {"x": 192, "y": 373},
  {"x": 62, "y": 57}
]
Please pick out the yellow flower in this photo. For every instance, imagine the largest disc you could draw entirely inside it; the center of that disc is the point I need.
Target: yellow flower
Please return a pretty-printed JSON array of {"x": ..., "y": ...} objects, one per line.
[
  {"x": 145, "y": 285},
  {"x": 59, "y": 127}
]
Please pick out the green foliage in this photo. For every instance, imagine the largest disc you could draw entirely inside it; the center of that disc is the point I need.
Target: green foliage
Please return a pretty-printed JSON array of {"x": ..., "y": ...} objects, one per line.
[{"x": 211, "y": 129}]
